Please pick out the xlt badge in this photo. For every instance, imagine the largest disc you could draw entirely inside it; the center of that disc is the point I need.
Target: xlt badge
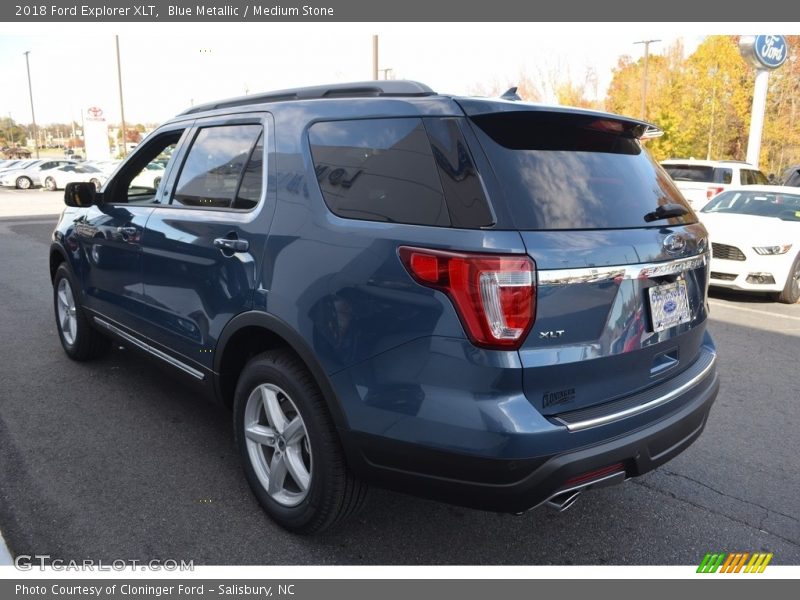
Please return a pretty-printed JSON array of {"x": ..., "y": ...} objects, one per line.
[{"x": 551, "y": 335}]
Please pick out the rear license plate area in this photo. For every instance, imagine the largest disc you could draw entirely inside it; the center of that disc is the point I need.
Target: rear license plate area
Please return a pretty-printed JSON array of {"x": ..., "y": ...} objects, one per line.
[{"x": 669, "y": 305}]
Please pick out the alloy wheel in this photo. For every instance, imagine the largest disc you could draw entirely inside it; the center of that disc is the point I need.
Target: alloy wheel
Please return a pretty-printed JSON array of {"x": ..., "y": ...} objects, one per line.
[
  {"x": 67, "y": 312},
  {"x": 277, "y": 444}
]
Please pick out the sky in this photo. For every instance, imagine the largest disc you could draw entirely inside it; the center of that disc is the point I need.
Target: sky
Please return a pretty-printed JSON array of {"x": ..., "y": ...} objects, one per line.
[{"x": 167, "y": 67}]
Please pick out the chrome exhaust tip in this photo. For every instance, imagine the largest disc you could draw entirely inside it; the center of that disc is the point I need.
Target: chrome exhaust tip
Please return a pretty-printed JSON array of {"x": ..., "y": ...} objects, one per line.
[{"x": 563, "y": 501}]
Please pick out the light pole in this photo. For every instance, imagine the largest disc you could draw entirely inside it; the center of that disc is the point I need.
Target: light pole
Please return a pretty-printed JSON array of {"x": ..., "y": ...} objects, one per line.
[
  {"x": 644, "y": 74},
  {"x": 375, "y": 57},
  {"x": 121, "y": 104},
  {"x": 30, "y": 92}
]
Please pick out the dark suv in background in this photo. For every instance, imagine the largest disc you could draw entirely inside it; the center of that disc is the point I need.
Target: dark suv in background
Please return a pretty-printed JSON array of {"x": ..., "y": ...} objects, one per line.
[{"x": 487, "y": 302}]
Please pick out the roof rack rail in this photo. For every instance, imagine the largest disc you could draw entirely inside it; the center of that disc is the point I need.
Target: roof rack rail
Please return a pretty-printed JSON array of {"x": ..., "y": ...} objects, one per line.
[{"x": 359, "y": 89}]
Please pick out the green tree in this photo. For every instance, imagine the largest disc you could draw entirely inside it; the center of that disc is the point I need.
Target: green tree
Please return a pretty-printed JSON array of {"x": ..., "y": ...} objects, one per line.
[{"x": 11, "y": 134}]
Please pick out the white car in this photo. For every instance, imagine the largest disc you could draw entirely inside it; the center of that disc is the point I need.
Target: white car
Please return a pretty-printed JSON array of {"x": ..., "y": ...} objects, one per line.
[
  {"x": 29, "y": 175},
  {"x": 106, "y": 166},
  {"x": 57, "y": 179},
  {"x": 701, "y": 180},
  {"x": 150, "y": 176},
  {"x": 755, "y": 240}
]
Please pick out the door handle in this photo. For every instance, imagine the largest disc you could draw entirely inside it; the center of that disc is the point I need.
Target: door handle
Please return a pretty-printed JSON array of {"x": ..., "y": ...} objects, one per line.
[
  {"x": 231, "y": 245},
  {"x": 126, "y": 230}
]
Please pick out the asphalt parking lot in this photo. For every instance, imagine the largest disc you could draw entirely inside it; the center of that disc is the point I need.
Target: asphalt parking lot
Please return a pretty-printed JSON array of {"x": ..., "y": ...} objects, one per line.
[{"x": 114, "y": 460}]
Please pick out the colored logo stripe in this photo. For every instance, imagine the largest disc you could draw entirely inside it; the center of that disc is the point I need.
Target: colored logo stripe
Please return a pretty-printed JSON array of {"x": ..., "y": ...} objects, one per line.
[
  {"x": 710, "y": 563},
  {"x": 734, "y": 562},
  {"x": 758, "y": 563}
]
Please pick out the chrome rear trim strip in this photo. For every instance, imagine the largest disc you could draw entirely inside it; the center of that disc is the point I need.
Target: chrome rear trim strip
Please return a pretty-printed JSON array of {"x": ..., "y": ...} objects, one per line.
[
  {"x": 148, "y": 348},
  {"x": 621, "y": 272},
  {"x": 635, "y": 410}
]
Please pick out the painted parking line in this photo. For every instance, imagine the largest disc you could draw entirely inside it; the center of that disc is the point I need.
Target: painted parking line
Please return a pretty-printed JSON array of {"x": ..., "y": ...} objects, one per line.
[
  {"x": 753, "y": 310},
  {"x": 5, "y": 554}
]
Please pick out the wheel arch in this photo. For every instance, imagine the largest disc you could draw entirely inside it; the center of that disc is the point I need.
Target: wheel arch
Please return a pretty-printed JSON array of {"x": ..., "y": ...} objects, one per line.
[
  {"x": 57, "y": 256},
  {"x": 253, "y": 332}
]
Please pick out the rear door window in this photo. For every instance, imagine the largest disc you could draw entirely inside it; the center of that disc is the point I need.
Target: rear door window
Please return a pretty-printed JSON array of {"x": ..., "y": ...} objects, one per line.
[
  {"x": 216, "y": 167},
  {"x": 574, "y": 171}
]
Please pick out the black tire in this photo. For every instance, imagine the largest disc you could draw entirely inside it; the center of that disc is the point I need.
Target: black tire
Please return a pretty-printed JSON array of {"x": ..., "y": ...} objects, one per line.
[
  {"x": 87, "y": 343},
  {"x": 333, "y": 493},
  {"x": 50, "y": 184},
  {"x": 791, "y": 291},
  {"x": 24, "y": 183}
]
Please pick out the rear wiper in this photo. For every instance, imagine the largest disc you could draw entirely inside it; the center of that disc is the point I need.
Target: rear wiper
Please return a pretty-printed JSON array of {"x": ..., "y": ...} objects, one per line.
[{"x": 665, "y": 211}]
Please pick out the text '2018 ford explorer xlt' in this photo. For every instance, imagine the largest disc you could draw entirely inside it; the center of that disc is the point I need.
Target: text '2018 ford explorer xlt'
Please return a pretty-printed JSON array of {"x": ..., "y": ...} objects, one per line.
[{"x": 487, "y": 302}]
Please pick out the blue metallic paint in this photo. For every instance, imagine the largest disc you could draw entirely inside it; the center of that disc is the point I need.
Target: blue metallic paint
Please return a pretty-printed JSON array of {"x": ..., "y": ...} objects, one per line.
[{"x": 390, "y": 354}]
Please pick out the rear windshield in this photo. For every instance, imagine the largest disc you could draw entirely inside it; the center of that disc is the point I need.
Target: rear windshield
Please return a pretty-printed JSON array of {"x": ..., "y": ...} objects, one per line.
[
  {"x": 699, "y": 173},
  {"x": 572, "y": 171}
]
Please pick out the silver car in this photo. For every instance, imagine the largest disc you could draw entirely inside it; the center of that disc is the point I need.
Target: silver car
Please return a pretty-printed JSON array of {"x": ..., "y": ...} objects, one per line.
[{"x": 29, "y": 174}]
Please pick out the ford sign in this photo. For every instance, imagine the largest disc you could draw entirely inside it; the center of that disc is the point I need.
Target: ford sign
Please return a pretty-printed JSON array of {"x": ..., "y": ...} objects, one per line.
[
  {"x": 764, "y": 51},
  {"x": 770, "y": 50}
]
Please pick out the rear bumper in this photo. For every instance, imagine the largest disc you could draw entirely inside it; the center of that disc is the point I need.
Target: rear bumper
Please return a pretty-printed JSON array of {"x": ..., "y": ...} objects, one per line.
[{"x": 516, "y": 485}]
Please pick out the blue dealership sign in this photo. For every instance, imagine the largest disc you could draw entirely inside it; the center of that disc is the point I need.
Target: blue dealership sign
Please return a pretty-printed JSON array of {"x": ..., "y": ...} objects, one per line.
[{"x": 770, "y": 50}]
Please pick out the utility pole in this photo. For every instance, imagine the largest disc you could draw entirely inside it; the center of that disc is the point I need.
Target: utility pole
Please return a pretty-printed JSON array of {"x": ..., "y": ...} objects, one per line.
[
  {"x": 375, "y": 57},
  {"x": 30, "y": 92},
  {"x": 386, "y": 72},
  {"x": 644, "y": 74},
  {"x": 10, "y": 130},
  {"x": 121, "y": 104}
]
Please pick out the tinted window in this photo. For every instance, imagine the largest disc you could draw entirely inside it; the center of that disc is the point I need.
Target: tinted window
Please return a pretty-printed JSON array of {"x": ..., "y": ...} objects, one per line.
[
  {"x": 378, "y": 170},
  {"x": 791, "y": 177},
  {"x": 690, "y": 173},
  {"x": 213, "y": 168},
  {"x": 699, "y": 173},
  {"x": 571, "y": 171},
  {"x": 723, "y": 175},
  {"x": 250, "y": 189},
  {"x": 755, "y": 177},
  {"x": 463, "y": 191}
]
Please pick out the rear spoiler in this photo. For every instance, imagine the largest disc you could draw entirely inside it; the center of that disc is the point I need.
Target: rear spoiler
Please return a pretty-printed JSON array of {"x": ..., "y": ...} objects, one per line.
[{"x": 475, "y": 107}]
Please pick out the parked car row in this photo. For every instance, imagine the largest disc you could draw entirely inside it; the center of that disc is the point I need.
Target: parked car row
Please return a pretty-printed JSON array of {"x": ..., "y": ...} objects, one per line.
[
  {"x": 55, "y": 174},
  {"x": 25, "y": 174}
]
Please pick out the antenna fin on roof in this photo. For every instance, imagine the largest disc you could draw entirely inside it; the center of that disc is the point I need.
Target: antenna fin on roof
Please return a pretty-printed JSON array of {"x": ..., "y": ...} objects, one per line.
[{"x": 511, "y": 94}]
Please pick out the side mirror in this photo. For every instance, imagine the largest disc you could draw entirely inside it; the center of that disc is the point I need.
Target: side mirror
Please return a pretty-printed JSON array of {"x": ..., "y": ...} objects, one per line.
[{"x": 80, "y": 194}]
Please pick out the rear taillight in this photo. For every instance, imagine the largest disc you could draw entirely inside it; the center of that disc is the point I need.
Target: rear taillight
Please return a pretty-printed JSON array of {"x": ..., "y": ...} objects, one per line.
[
  {"x": 494, "y": 295},
  {"x": 713, "y": 191}
]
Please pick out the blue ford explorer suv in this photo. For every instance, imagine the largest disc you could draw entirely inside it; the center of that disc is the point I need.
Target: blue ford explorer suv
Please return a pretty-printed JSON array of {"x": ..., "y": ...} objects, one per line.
[{"x": 487, "y": 302}]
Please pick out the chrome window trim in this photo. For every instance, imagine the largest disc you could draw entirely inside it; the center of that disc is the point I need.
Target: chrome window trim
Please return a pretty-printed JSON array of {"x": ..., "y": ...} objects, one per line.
[{"x": 621, "y": 272}]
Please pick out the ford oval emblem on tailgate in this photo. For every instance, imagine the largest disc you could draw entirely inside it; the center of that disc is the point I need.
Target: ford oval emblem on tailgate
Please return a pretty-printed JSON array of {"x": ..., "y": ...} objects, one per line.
[{"x": 674, "y": 243}]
